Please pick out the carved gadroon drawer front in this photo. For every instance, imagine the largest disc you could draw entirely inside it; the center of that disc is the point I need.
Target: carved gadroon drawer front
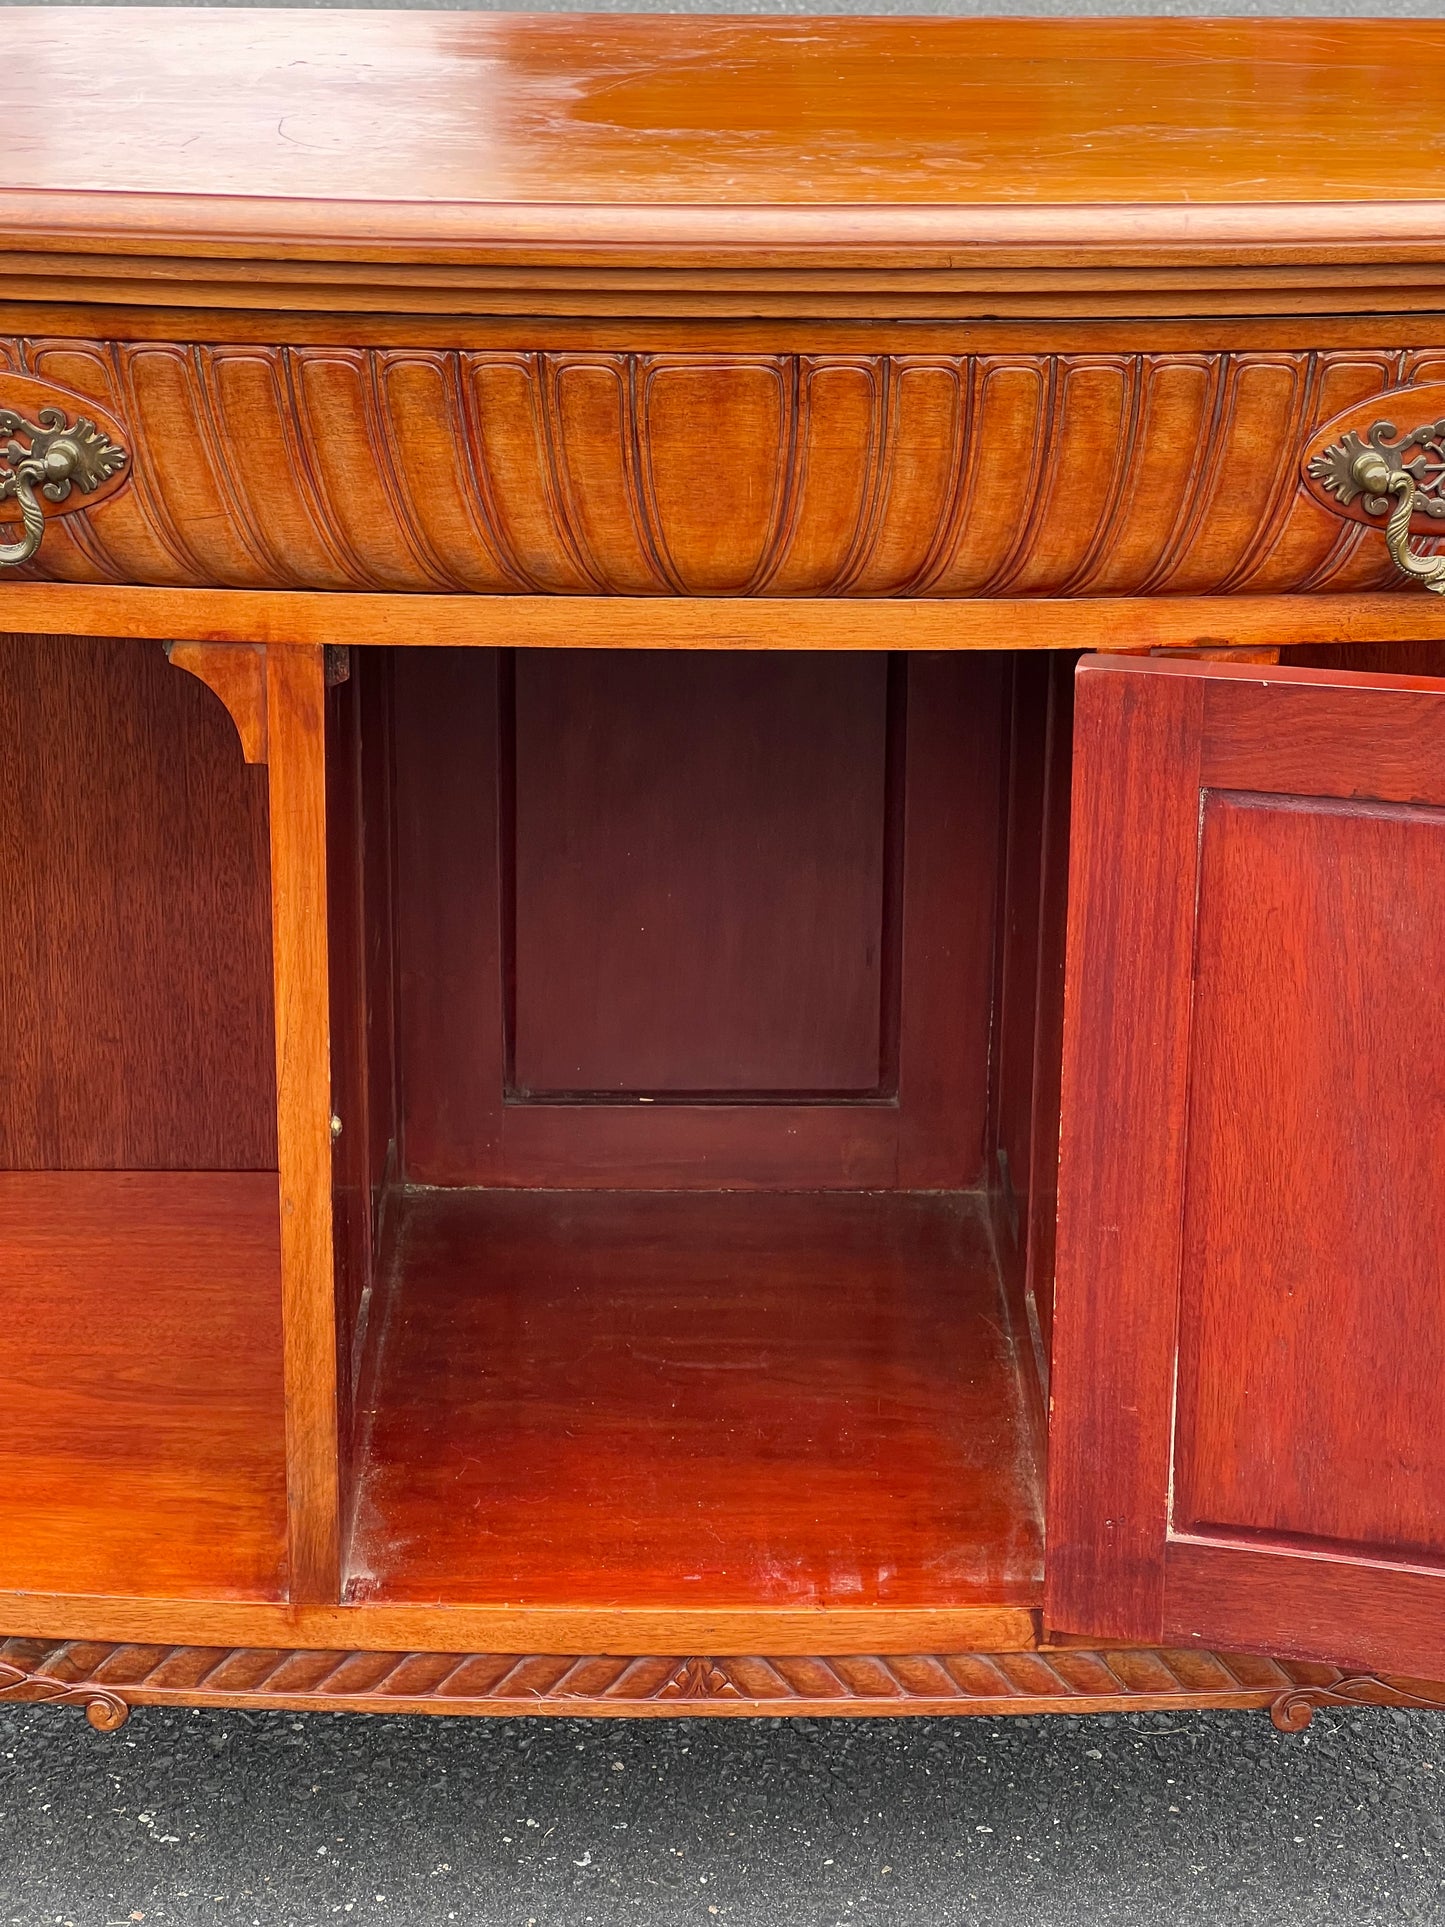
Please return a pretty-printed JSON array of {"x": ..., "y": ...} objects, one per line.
[{"x": 711, "y": 473}]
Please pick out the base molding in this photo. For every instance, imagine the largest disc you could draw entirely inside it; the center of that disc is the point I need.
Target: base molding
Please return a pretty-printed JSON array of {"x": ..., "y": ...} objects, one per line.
[{"x": 107, "y": 1680}]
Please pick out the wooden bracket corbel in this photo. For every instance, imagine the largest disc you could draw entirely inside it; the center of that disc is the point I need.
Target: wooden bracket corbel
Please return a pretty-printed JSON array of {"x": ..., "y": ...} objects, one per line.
[{"x": 236, "y": 672}]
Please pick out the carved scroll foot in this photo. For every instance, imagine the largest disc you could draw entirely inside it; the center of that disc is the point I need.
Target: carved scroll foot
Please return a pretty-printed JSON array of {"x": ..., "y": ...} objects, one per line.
[
  {"x": 106, "y": 1711},
  {"x": 1293, "y": 1711}
]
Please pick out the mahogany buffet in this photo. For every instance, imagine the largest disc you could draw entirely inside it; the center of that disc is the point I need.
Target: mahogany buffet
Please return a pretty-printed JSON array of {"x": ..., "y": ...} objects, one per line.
[{"x": 722, "y": 844}]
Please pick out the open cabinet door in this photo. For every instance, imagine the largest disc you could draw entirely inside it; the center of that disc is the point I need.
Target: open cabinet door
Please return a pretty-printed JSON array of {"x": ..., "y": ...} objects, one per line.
[{"x": 1247, "y": 1445}]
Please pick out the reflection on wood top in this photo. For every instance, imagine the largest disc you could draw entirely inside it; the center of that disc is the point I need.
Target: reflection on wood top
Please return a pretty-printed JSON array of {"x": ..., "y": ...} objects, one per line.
[{"x": 440, "y": 135}]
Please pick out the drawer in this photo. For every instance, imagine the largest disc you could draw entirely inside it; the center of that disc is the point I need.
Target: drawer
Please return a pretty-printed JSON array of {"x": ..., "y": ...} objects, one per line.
[{"x": 706, "y": 473}]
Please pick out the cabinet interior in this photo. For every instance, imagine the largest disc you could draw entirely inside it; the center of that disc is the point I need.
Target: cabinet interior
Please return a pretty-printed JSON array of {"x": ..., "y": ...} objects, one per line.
[{"x": 695, "y": 1046}]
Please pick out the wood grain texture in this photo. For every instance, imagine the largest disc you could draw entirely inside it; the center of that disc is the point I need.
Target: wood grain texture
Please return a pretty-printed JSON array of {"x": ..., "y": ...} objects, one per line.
[
  {"x": 639, "y": 111},
  {"x": 1316, "y": 1143},
  {"x": 236, "y": 672},
  {"x": 1302, "y": 734},
  {"x": 348, "y": 952},
  {"x": 1016, "y": 973},
  {"x": 788, "y": 1630},
  {"x": 1028, "y": 1005},
  {"x": 1260, "y": 1455},
  {"x": 1375, "y": 1616},
  {"x": 758, "y": 330},
  {"x": 295, "y": 726},
  {"x": 144, "y": 1440},
  {"x": 1134, "y": 809},
  {"x": 487, "y": 825},
  {"x": 672, "y": 1401},
  {"x": 918, "y": 625},
  {"x": 698, "y": 882},
  {"x": 135, "y": 977},
  {"x": 1043, "y": 1187},
  {"x": 361, "y": 936},
  {"x": 110, "y": 1679},
  {"x": 444, "y": 301},
  {"x": 599, "y": 151},
  {"x": 717, "y": 474}
]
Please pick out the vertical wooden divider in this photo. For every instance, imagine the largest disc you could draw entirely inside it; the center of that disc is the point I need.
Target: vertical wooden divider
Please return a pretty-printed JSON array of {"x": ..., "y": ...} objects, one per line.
[{"x": 295, "y": 715}]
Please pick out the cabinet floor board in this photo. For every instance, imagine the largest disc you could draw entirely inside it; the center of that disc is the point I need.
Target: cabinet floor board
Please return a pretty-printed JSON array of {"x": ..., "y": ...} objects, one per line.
[
  {"x": 683, "y": 1399},
  {"x": 143, "y": 1452}
]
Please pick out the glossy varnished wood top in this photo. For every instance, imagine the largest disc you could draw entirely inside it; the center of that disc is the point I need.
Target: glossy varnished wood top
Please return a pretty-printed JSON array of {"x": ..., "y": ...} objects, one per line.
[{"x": 581, "y": 138}]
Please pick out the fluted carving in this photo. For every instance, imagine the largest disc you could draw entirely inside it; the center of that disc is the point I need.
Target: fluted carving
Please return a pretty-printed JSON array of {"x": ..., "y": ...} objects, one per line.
[{"x": 716, "y": 473}]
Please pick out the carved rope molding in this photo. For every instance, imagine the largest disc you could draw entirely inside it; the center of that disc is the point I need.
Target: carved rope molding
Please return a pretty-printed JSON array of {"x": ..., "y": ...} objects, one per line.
[{"x": 107, "y": 1679}]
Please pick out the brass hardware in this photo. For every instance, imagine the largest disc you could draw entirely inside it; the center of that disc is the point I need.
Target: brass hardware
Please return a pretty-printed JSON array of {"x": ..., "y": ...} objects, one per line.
[
  {"x": 58, "y": 458},
  {"x": 1374, "y": 470}
]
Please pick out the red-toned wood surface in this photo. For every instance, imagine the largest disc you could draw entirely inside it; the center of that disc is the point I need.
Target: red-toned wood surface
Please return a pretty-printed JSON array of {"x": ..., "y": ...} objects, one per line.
[
  {"x": 1134, "y": 808},
  {"x": 107, "y": 1680},
  {"x": 361, "y": 938},
  {"x": 1311, "y": 1323},
  {"x": 301, "y": 975},
  {"x": 1376, "y": 658},
  {"x": 1028, "y": 994},
  {"x": 717, "y": 472},
  {"x": 1336, "y": 1608},
  {"x": 1017, "y": 970},
  {"x": 701, "y": 884},
  {"x": 663, "y": 798},
  {"x": 143, "y": 1451},
  {"x": 1043, "y": 1187},
  {"x": 1253, "y": 1086},
  {"x": 347, "y": 950},
  {"x": 135, "y": 929},
  {"x": 658, "y": 1398}
]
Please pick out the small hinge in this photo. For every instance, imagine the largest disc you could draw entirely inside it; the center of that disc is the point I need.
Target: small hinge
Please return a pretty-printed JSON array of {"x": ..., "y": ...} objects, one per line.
[{"x": 338, "y": 664}]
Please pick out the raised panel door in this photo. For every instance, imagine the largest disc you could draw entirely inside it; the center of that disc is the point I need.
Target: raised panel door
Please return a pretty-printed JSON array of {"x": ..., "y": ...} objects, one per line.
[{"x": 1247, "y": 1405}]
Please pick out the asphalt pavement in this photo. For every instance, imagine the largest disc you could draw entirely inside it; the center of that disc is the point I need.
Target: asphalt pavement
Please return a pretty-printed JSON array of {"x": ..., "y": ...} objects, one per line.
[{"x": 279, "y": 1820}]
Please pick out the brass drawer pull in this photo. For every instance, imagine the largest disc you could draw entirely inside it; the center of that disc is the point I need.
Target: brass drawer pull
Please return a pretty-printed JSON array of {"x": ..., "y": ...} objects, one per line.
[
  {"x": 1373, "y": 470},
  {"x": 59, "y": 457}
]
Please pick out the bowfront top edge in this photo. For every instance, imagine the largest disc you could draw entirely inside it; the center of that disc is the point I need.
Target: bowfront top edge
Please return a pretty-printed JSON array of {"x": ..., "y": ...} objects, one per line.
[{"x": 600, "y": 143}]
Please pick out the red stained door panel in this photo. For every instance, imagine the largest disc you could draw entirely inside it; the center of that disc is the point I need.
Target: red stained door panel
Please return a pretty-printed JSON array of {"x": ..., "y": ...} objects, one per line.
[{"x": 1247, "y": 1407}]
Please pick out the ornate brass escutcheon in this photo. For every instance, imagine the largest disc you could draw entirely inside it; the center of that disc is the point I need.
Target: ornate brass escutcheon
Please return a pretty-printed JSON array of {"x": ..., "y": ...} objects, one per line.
[
  {"x": 1376, "y": 469},
  {"x": 53, "y": 455},
  {"x": 1362, "y": 468}
]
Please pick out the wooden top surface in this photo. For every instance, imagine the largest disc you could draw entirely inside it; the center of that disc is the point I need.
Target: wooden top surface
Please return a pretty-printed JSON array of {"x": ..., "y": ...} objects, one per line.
[{"x": 437, "y": 136}]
